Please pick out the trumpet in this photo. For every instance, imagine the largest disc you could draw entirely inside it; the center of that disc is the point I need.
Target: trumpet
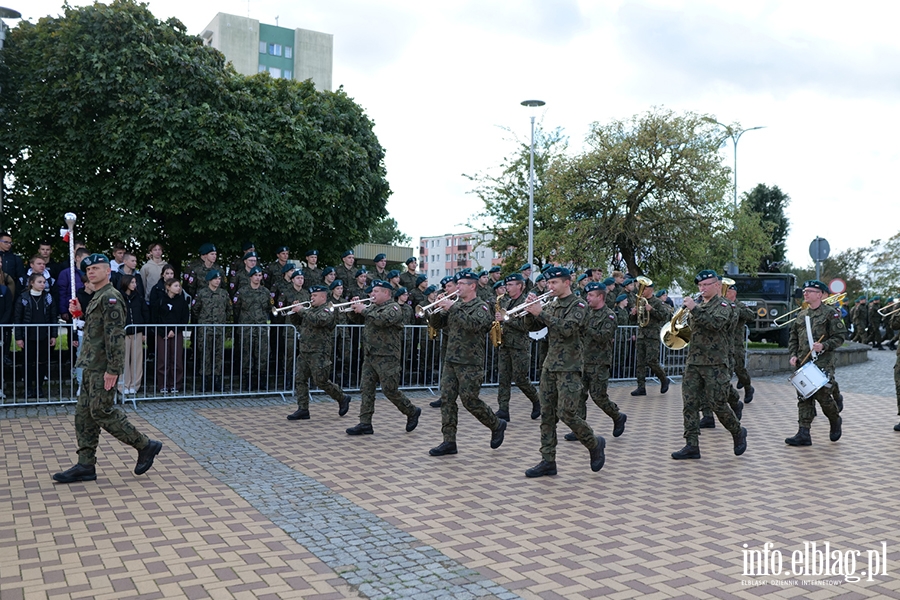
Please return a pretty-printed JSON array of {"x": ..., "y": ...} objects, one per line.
[
  {"x": 304, "y": 305},
  {"x": 519, "y": 310},
  {"x": 347, "y": 306},
  {"x": 889, "y": 309},
  {"x": 427, "y": 309},
  {"x": 831, "y": 300}
]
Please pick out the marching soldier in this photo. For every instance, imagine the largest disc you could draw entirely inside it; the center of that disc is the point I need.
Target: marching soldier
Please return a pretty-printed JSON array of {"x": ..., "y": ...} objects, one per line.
[
  {"x": 466, "y": 321},
  {"x": 449, "y": 285},
  {"x": 828, "y": 334},
  {"x": 895, "y": 324},
  {"x": 561, "y": 384},
  {"x": 314, "y": 358},
  {"x": 211, "y": 306},
  {"x": 708, "y": 370},
  {"x": 382, "y": 346},
  {"x": 252, "y": 305},
  {"x": 647, "y": 343},
  {"x": 745, "y": 316},
  {"x": 514, "y": 354}
]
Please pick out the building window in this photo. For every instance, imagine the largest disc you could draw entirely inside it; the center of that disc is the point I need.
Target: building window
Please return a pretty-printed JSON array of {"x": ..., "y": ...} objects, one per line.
[
  {"x": 263, "y": 47},
  {"x": 289, "y": 52},
  {"x": 275, "y": 49},
  {"x": 288, "y": 74},
  {"x": 275, "y": 72},
  {"x": 262, "y": 68}
]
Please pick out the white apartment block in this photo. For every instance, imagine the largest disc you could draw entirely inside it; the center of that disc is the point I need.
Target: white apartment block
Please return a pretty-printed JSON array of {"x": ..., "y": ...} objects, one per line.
[{"x": 447, "y": 254}]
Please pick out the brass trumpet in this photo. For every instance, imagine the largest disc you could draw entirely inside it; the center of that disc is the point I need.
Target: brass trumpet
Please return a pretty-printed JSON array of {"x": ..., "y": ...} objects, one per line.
[
  {"x": 304, "y": 305},
  {"x": 519, "y": 310},
  {"x": 433, "y": 308},
  {"x": 889, "y": 309},
  {"x": 830, "y": 301},
  {"x": 347, "y": 306}
]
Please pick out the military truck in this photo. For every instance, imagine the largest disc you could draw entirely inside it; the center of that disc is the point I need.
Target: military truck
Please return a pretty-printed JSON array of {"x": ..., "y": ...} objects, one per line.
[{"x": 770, "y": 295}]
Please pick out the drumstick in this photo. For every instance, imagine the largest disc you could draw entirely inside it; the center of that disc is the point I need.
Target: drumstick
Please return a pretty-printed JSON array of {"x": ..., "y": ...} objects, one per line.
[{"x": 810, "y": 350}]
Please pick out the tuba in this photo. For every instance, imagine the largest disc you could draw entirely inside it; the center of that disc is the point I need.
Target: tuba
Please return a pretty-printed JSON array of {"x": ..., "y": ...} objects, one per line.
[
  {"x": 676, "y": 334},
  {"x": 726, "y": 283},
  {"x": 643, "y": 315}
]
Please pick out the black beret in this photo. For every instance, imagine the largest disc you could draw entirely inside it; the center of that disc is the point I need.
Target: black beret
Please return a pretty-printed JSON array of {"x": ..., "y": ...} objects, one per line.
[
  {"x": 317, "y": 288},
  {"x": 206, "y": 249},
  {"x": 515, "y": 277},
  {"x": 467, "y": 276}
]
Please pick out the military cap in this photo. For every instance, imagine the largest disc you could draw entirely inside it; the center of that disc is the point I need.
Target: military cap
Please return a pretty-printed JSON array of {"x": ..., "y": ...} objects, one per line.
[
  {"x": 250, "y": 255},
  {"x": 581, "y": 277},
  {"x": 347, "y": 253},
  {"x": 539, "y": 278},
  {"x": 545, "y": 267},
  {"x": 430, "y": 290},
  {"x": 400, "y": 291},
  {"x": 336, "y": 283},
  {"x": 359, "y": 272},
  {"x": 499, "y": 284},
  {"x": 446, "y": 280},
  {"x": 247, "y": 245},
  {"x": 288, "y": 267},
  {"x": 420, "y": 279},
  {"x": 281, "y": 249},
  {"x": 516, "y": 277},
  {"x": 312, "y": 253},
  {"x": 875, "y": 299},
  {"x": 621, "y": 297},
  {"x": 595, "y": 286},
  {"x": 628, "y": 280},
  {"x": 557, "y": 272},
  {"x": 297, "y": 273},
  {"x": 206, "y": 249},
  {"x": 525, "y": 267},
  {"x": 411, "y": 259},
  {"x": 393, "y": 273},
  {"x": 494, "y": 269},
  {"x": 368, "y": 289},
  {"x": 466, "y": 276},
  {"x": 212, "y": 274},
  {"x": 704, "y": 275},
  {"x": 94, "y": 259},
  {"x": 254, "y": 271},
  {"x": 662, "y": 292},
  {"x": 382, "y": 284},
  {"x": 326, "y": 271},
  {"x": 317, "y": 288},
  {"x": 609, "y": 281},
  {"x": 379, "y": 257},
  {"x": 466, "y": 270},
  {"x": 482, "y": 274},
  {"x": 815, "y": 283}
]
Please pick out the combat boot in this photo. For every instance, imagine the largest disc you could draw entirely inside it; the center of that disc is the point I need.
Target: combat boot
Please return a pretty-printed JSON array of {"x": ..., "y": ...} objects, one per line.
[
  {"x": 739, "y": 385},
  {"x": 708, "y": 423},
  {"x": 77, "y": 473},
  {"x": 146, "y": 456},
  {"x": 598, "y": 456},
  {"x": 835, "y": 433},
  {"x": 740, "y": 410},
  {"x": 497, "y": 435},
  {"x": 664, "y": 386},
  {"x": 412, "y": 421},
  {"x": 740, "y": 441},
  {"x": 298, "y": 415},
  {"x": 840, "y": 402},
  {"x": 541, "y": 469},
  {"x": 619, "y": 425},
  {"x": 571, "y": 437},
  {"x": 801, "y": 439},
  {"x": 535, "y": 409},
  {"x": 687, "y": 452},
  {"x": 748, "y": 394},
  {"x": 897, "y": 427},
  {"x": 641, "y": 391},
  {"x": 360, "y": 429},
  {"x": 503, "y": 414},
  {"x": 443, "y": 449},
  {"x": 436, "y": 404}
]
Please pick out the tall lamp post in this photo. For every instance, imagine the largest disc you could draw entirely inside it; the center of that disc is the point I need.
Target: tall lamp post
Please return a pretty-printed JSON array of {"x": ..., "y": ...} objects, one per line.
[
  {"x": 735, "y": 134},
  {"x": 531, "y": 104}
]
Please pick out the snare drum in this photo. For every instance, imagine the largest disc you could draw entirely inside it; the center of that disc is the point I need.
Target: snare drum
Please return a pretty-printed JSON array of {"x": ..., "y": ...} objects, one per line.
[{"x": 808, "y": 380}]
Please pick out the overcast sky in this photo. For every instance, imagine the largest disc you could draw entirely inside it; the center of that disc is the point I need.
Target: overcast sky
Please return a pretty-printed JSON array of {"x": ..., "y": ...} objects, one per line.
[{"x": 441, "y": 80}]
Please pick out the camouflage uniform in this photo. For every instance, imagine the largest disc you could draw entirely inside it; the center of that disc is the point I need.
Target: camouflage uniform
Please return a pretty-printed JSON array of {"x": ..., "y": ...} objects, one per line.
[
  {"x": 825, "y": 321},
  {"x": 708, "y": 368},
  {"x": 312, "y": 277},
  {"x": 597, "y": 339},
  {"x": 314, "y": 358},
  {"x": 745, "y": 316},
  {"x": 346, "y": 275},
  {"x": 408, "y": 280},
  {"x": 874, "y": 324},
  {"x": 213, "y": 308},
  {"x": 252, "y": 307},
  {"x": 486, "y": 293},
  {"x": 647, "y": 342},
  {"x": 102, "y": 351},
  {"x": 272, "y": 275},
  {"x": 860, "y": 323},
  {"x": 895, "y": 324},
  {"x": 382, "y": 343},
  {"x": 239, "y": 279},
  {"x": 561, "y": 385},
  {"x": 514, "y": 357},
  {"x": 195, "y": 276}
]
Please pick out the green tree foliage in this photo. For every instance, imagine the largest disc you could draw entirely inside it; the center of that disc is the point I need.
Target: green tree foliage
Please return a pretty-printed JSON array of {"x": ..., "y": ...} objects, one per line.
[
  {"x": 770, "y": 203},
  {"x": 145, "y": 134},
  {"x": 386, "y": 231},
  {"x": 851, "y": 265}
]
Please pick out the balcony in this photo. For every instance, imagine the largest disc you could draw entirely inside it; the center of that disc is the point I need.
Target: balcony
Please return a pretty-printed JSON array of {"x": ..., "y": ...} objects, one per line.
[
  {"x": 462, "y": 263},
  {"x": 462, "y": 248}
]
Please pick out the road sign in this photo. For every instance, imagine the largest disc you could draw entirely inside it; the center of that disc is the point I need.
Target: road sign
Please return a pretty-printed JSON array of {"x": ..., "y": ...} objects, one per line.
[
  {"x": 837, "y": 286},
  {"x": 819, "y": 249}
]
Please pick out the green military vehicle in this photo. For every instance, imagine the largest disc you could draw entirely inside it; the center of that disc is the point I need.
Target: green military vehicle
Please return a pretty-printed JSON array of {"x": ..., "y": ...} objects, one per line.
[{"x": 771, "y": 295}]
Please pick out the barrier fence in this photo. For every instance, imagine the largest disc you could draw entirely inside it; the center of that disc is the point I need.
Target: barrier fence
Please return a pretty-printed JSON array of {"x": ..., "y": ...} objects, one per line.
[{"x": 202, "y": 361}]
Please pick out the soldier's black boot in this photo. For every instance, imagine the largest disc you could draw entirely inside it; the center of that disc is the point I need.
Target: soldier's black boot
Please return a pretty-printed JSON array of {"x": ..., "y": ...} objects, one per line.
[
  {"x": 839, "y": 400},
  {"x": 835, "y": 433},
  {"x": 497, "y": 435},
  {"x": 739, "y": 385},
  {"x": 897, "y": 427},
  {"x": 412, "y": 421},
  {"x": 687, "y": 452},
  {"x": 443, "y": 449},
  {"x": 146, "y": 456},
  {"x": 619, "y": 425},
  {"x": 77, "y": 473},
  {"x": 535, "y": 409},
  {"x": 708, "y": 422},
  {"x": 748, "y": 394},
  {"x": 598, "y": 456},
  {"x": 641, "y": 391},
  {"x": 360, "y": 429},
  {"x": 503, "y": 414},
  {"x": 436, "y": 404},
  {"x": 801, "y": 439},
  {"x": 740, "y": 441},
  {"x": 541, "y": 469},
  {"x": 740, "y": 410},
  {"x": 570, "y": 437},
  {"x": 664, "y": 386},
  {"x": 298, "y": 414},
  {"x": 343, "y": 405}
]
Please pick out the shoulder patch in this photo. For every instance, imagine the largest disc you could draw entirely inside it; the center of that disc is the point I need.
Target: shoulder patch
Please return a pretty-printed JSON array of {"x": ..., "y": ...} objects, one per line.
[
  {"x": 396, "y": 307},
  {"x": 725, "y": 304},
  {"x": 112, "y": 300},
  {"x": 612, "y": 316},
  {"x": 485, "y": 308},
  {"x": 580, "y": 304}
]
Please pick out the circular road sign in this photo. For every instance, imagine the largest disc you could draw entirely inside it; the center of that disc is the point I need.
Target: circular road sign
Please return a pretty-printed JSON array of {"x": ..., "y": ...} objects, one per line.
[
  {"x": 819, "y": 249},
  {"x": 837, "y": 286}
]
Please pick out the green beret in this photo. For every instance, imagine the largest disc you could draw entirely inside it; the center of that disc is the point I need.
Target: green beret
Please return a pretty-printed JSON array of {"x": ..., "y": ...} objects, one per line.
[
  {"x": 704, "y": 275},
  {"x": 499, "y": 284},
  {"x": 621, "y": 297},
  {"x": 254, "y": 271},
  {"x": 382, "y": 284},
  {"x": 816, "y": 284},
  {"x": 212, "y": 274},
  {"x": 94, "y": 259},
  {"x": 595, "y": 286},
  {"x": 206, "y": 249},
  {"x": 250, "y": 255},
  {"x": 556, "y": 273}
]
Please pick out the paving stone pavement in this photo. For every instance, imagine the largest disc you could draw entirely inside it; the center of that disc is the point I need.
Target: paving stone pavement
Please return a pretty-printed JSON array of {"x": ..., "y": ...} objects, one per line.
[{"x": 244, "y": 504}]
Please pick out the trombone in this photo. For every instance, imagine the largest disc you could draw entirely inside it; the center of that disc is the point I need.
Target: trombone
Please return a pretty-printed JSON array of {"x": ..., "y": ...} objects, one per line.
[
  {"x": 830, "y": 301},
  {"x": 303, "y": 305},
  {"x": 347, "y": 306},
  {"x": 889, "y": 309},
  {"x": 433, "y": 308},
  {"x": 519, "y": 311}
]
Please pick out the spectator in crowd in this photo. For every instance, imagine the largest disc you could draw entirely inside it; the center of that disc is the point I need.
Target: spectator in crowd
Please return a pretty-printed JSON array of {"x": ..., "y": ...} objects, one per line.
[
  {"x": 171, "y": 311},
  {"x": 129, "y": 267},
  {"x": 118, "y": 257},
  {"x": 64, "y": 284},
  {"x": 151, "y": 272},
  {"x": 45, "y": 250},
  {"x": 37, "y": 264},
  {"x": 12, "y": 263},
  {"x": 138, "y": 314},
  {"x": 36, "y": 307},
  {"x": 158, "y": 292}
]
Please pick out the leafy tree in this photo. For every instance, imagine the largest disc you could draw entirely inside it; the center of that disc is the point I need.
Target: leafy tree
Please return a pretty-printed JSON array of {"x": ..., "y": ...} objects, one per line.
[
  {"x": 770, "y": 203},
  {"x": 145, "y": 134},
  {"x": 385, "y": 231},
  {"x": 851, "y": 265}
]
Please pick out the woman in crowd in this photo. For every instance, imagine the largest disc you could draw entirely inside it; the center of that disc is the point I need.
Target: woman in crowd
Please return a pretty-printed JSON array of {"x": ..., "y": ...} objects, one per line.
[
  {"x": 36, "y": 307},
  {"x": 137, "y": 315},
  {"x": 171, "y": 311}
]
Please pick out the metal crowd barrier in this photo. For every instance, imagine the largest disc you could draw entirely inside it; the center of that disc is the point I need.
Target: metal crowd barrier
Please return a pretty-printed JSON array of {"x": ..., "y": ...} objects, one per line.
[{"x": 32, "y": 370}]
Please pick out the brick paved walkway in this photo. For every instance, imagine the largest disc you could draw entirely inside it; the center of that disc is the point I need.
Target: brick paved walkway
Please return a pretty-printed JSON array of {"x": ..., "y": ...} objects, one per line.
[{"x": 244, "y": 504}]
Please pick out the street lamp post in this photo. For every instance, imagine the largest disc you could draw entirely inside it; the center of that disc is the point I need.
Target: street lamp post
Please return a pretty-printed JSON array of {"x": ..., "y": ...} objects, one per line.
[{"x": 530, "y": 258}]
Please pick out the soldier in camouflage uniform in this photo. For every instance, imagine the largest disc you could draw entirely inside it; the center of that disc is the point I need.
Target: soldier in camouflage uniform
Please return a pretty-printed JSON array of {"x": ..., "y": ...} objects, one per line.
[
  {"x": 708, "y": 370},
  {"x": 610, "y": 285},
  {"x": 561, "y": 385},
  {"x": 346, "y": 271},
  {"x": 514, "y": 354},
  {"x": 828, "y": 334},
  {"x": 312, "y": 274},
  {"x": 241, "y": 277},
  {"x": 526, "y": 271},
  {"x": 466, "y": 323},
  {"x": 647, "y": 343},
  {"x": 380, "y": 270},
  {"x": 861, "y": 321},
  {"x": 314, "y": 358},
  {"x": 875, "y": 323},
  {"x": 252, "y": 306},
  {"x": 211, "y": 306},
  {"x": 382, "y": 342},
  {"x": 495, "y": 274},
  {"x": 408, "y": 277},
  {"x": 484, "y": 290},
  {"x": 745, "y": 316},
  {"x": 273, "y": 272},
  {"x": 449, "y": 286},
  {"x": 102, "y": 357},
  {"x": 597, "y": 339},
  {"x": 895, "y": 324},
  {"x": 195, "y": 274}
]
